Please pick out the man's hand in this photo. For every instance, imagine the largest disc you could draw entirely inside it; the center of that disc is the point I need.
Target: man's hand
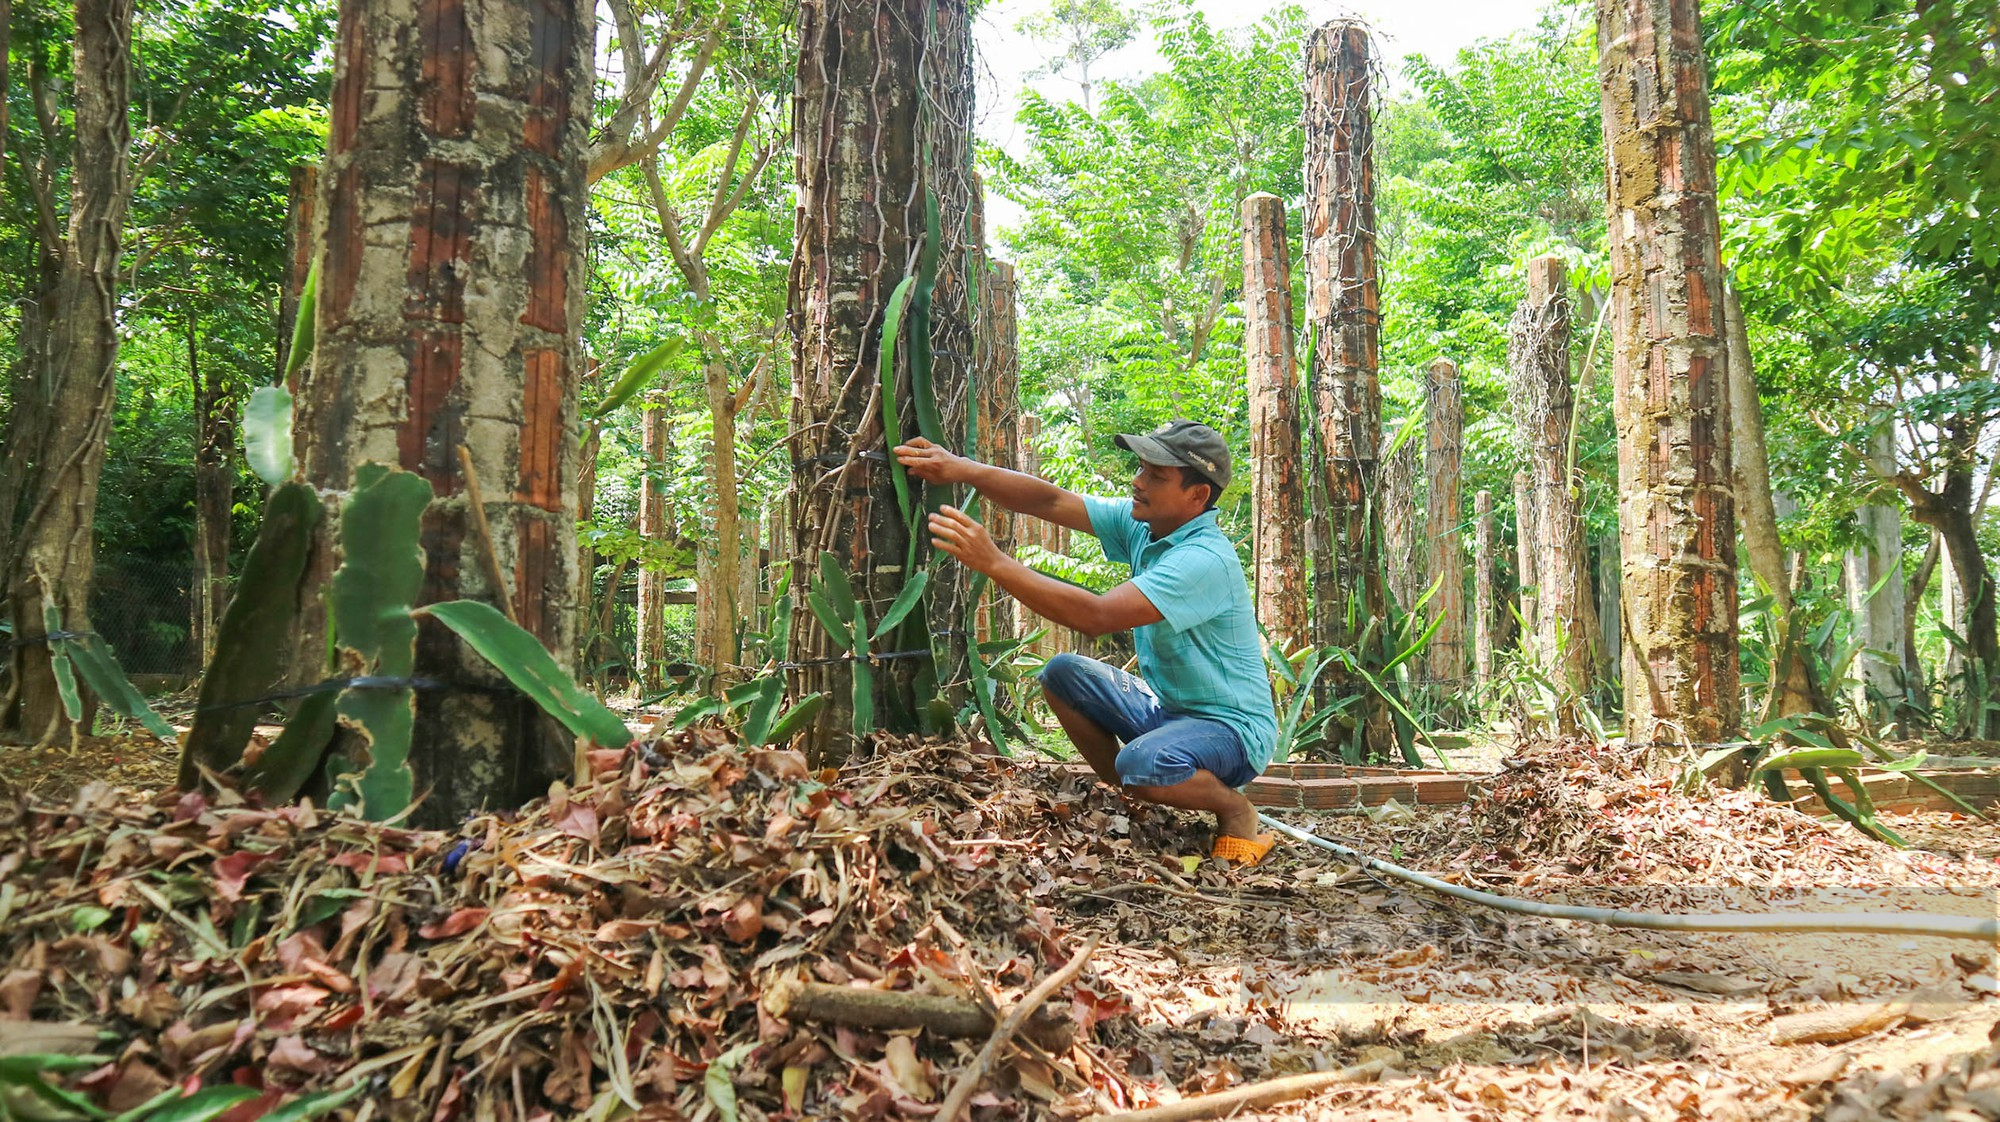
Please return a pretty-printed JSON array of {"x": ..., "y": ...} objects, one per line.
[
  {"x": 933, "y": 464},
  {"x": 957, "y": 534}
]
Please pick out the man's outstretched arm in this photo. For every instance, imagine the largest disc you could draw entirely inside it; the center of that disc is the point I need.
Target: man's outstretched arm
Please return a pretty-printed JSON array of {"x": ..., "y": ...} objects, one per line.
[
  {"x": 1016, "y": 491},
  {"x": 1092, "y": 613}
]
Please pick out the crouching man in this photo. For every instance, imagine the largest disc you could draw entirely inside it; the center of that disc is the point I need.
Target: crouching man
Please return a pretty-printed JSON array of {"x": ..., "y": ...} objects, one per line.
[{"x": 1197, "y": 723}]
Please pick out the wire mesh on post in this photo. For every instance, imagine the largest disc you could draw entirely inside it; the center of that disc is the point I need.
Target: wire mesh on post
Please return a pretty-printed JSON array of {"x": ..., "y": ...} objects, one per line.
[
  {"x": 945, "y": 76},
  {"x": 1344, "y": 309},
  {"x": 1398, "y": 488},
  {"x": 1444, "y": 424},
  {"x": 1565, "y": 617}
]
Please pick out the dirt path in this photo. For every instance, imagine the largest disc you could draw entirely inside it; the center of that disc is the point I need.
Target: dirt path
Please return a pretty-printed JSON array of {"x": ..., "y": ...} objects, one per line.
[{"x": 1492, "y": 1016}]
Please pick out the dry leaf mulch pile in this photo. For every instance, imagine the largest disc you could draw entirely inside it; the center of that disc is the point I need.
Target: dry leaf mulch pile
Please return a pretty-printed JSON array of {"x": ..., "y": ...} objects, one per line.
[
  {"x": 612, "y": 943},
  {"x": 1575, "y": 811}
]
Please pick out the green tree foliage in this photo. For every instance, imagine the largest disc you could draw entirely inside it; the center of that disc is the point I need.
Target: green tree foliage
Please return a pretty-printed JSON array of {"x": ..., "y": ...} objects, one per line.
[
  {"x": 1856, "y": 143},
  {"x": 640, "y": 299},
  {"x": 1486, "y": 163},
  {"x": 226, "y": 98},
  {"x": 1856, "y": 167},
  {"x": 1130, "y": 248},
  {"x": 1490, "y": 162}
]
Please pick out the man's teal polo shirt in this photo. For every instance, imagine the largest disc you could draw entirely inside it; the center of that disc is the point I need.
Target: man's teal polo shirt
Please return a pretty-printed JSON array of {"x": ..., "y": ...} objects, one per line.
[{"x": 1205, "y": 658}]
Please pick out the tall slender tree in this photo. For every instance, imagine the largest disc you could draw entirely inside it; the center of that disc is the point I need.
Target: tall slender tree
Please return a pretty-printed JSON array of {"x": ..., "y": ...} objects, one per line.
[
  {"x": 1444, "y": 412},
  {"x": 215, "y": 406},
  {"x": 1397, "y": 503},
  {"x": 1676, "y": 513},
  {"x": 449, "y": 303},
  {"x": 1000, "y": 423},
  {"x": 1610, "y": 613},
  {"x": 1482, "y": 587},
  {"x": 1952, "y": 508},
  {"x": 1277, "y": 494},
  {"x": 655, "y": 524},
  {"x": 59, "y": 435},
  {"x": 1874, "y": 571},
  {"x": 1526, "y": 534},
  {"x": 635, "y": 134},
  {"x": 1793, "y": 689},
  {"x": 1083, "y": 31}
]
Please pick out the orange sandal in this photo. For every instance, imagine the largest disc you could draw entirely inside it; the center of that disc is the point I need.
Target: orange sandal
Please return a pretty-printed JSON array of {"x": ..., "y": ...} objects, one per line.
[{"x": 1244, "y": 852}]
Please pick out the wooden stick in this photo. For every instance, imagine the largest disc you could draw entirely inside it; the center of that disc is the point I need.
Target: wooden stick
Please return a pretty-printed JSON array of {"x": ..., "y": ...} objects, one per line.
[
  {"x": 1254, "y": 1096},
  {"x": 856, "y": 1007},
  {"x": 969, "y": 1080},
  {"x": 477, "y": 507}
]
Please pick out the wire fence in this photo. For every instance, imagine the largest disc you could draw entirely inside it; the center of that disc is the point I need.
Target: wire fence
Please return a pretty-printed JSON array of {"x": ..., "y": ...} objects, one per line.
[{"x": 143, "y": 607}]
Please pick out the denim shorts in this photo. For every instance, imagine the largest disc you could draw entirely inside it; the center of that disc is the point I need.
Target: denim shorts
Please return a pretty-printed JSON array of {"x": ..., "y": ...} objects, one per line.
[{"x": 1158, "y": 748}]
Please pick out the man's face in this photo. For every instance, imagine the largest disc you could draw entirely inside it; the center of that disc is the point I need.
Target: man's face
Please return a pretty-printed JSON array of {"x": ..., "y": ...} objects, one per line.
[{"x": 1160, "y": 494}]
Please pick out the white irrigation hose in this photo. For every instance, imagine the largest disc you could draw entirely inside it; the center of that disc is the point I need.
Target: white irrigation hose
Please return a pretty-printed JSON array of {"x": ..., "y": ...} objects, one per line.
[{"x": 1879, "y": 923}]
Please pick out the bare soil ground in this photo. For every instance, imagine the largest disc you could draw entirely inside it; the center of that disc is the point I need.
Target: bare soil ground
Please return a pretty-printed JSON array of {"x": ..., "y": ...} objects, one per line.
[
  {"x": 1491, "y": 1016},
  {"x": 54, "y": 772}
]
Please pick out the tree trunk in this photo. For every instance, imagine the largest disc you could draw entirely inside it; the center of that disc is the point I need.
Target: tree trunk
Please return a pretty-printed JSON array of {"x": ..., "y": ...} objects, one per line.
[
  {"x": 32, "y": 377},
  {"x": 654, "y": 526},
  {"x": 1794, "y": 690},
  {"x": 587, "y": 505},
  {"x": 1951, "y": 613},
  {"x": 1000, "y": 423},
  {"x": 1671, "y": 395},
  {"x": 750, "y": 573},
  {"x": 1398, "y": 504},
  {"x": 52, "y": 562},
  {"x": 1915, "y": 676},
  {"x": 1277, "y": 494},
  {"x": 1538, "y": 354},
  {"x": 719, "y": 559},
  {"x": 586, "y": 557},
  {"x": 1344, "y": 303},
  {"x": 1527, "y": 536},
  {"x": 1949, "y": 600},
  {"x": 1875, "y": 592},
  {"x": 1953, "y": 511},
  {"x": 28, "y": 410},
  {"x": 855, "y": 124},
  {"x": 1042, "y": 535},
  {"x": 1756, "y": 509},
  {"x": 1444, "y": 409},
  {"x": 1610, "y": 612},
  {"x": 1482, "y": 588},
  {"x": 299, "y": 246},
  {"x": 457, "y": 326},
  {"x": 718, "y": 554},
  {"x": 214, "y": 480},
  {"x": 778, "y": 523}
]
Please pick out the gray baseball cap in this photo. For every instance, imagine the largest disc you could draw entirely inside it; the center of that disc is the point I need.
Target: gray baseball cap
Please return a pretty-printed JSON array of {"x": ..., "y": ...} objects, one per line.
[{"x": 1182, "y": 444}]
